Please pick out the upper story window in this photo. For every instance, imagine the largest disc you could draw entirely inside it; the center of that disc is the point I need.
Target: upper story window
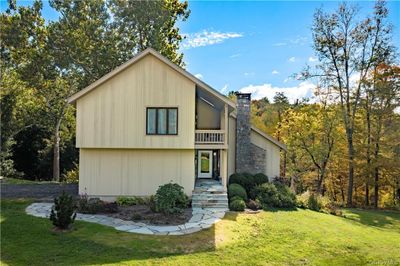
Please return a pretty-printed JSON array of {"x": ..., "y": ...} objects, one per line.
[{"x": 161, "y": 121}]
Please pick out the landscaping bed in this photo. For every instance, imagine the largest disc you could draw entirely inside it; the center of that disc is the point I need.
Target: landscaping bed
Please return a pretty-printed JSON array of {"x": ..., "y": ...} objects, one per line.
[{"x": 143, "y": 213}]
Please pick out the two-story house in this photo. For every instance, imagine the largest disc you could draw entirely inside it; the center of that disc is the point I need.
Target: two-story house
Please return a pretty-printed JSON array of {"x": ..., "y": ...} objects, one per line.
[{"x": 150, "y": 122}]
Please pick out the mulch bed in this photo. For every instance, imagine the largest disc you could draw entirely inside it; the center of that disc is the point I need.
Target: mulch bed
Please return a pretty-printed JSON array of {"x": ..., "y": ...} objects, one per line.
[{"x": 143, "y": 213}]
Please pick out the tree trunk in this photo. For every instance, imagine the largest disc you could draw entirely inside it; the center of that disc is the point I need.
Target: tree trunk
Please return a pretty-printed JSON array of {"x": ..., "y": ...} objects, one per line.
[
  {"x": 376, "y": 176},
  {"x": 56, "y": 152},
  {"x": 368, "y": 153},
  {"x": 351, "y": 170}
]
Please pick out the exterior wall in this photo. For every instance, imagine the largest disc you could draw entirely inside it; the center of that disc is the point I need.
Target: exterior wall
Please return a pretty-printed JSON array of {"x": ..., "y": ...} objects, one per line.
[
  {"x": 272, "y": 156},
  {"x": 243, "y": 129},
  {"x": 232, "y": 146},
  {"x": 207, "y": 117},
  {"x": 115, "y": 172},
  {"x": 114, "y": 114}
]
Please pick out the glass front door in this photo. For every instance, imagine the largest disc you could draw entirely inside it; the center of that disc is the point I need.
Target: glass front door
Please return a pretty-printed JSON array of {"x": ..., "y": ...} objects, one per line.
[{"x": 204, "y": 164}]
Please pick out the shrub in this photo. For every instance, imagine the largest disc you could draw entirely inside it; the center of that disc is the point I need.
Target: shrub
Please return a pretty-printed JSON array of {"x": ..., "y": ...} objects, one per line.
[
  {"x": 127, "y": 201},
  {"x": 170, "y": 199},
  {"x": 244, "y": 179},
  {"x": 309, "y": 200},
  {"x": 72, "y": 176},
  {"x": 95, "y": 205},
  {"x": 237, "y": 205},
  {"x": 267, "y": 194},
  {"x": 236, "y": 190},
  {"x": 254, "y": 205},
  {"x": 287, "y": 199},
  {"x": 63, "y": 212},
  {"x": 260, "y": 178}
]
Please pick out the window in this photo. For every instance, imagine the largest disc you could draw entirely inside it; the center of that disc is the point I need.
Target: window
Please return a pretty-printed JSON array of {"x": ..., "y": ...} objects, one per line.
[{"x": 162, "y": 121}]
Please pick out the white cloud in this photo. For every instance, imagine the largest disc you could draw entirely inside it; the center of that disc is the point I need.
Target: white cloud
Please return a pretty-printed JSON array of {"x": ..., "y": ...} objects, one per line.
[
  {"x": 247, "y": 74},
  {"x": 199, "y": 76},
  {"x": 235, "y": 55},
  {"x": 280, "y": 44},
  {"x": 304, "y": 89},
  {"x": 292, "y": 59},
  {"x": 205, "y": 38},
  {"x": 312, "y": 59},
  {"x": 275, "y": 72}
]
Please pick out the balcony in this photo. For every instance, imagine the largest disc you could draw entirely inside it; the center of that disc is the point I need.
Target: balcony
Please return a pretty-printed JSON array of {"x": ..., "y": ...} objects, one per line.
[{"x": 209, "y": 137}]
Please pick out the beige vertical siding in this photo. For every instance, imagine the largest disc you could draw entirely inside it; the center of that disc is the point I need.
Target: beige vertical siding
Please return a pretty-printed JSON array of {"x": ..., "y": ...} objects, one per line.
[
  {"x": 272, "y": 167},
  {"x": 207, "y": 116},
  {"x": 114, "y": 172},
  {"x": 114, "y": 114},
  {"x": 232, "y": 146}
]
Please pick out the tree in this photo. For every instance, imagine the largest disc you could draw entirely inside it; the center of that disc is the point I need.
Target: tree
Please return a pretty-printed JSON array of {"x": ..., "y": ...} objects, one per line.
[
  {"x": 311, "y": 130},
  {"x": 346, "y": 49},
  {"x": 143, "y": 24}
]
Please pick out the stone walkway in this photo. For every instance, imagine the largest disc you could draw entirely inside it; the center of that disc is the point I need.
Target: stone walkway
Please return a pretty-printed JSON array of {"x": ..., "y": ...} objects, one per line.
[{"x": 201, "y": 219}]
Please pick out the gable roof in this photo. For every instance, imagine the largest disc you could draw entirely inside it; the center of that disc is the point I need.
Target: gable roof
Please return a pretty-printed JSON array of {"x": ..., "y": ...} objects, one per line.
[
  {"x": 265, "y": 135},
  {"x": 135, "y": 59},
  {"x": 268, "y": 137}
]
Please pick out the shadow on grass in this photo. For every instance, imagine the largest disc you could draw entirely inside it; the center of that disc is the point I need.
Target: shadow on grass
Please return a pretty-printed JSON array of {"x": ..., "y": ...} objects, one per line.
[
  {"x": 271, "y": 209},
  {"x": 28, "y": 240},
  {"x": 376, "y": 218}
]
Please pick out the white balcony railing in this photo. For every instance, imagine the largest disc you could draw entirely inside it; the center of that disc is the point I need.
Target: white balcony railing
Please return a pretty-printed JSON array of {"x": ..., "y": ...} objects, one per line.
[{"x": 209, "y": 136}]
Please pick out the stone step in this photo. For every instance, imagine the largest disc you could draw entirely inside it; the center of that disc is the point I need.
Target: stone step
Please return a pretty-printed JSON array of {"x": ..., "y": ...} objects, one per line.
[
  {"x": 210, "y": 205},
  {"x": 209, "y": 196},
  {"x": 196, "y": 191}
]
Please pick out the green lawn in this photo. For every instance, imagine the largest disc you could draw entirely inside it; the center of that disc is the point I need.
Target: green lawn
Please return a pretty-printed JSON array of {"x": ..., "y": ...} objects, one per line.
[
  {"x": 17, "y": 181},
  {"x": 278, "y": 237}
]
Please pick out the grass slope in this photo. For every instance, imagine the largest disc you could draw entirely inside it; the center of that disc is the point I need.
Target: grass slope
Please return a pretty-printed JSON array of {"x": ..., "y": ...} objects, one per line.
[{"x": 269, "y": 238}]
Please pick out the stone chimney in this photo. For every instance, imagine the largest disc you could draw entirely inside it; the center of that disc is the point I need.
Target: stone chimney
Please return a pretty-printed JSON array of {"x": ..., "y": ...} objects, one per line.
[{"x": 243, "y": 128}]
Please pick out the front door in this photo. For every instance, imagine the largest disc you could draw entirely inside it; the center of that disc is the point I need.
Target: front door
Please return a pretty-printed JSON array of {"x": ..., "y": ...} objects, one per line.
[{"x": 205, "y": 164}]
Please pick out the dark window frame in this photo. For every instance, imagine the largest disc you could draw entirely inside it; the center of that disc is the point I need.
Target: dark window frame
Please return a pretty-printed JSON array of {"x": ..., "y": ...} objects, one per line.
[{"x": 167, "y": 122}]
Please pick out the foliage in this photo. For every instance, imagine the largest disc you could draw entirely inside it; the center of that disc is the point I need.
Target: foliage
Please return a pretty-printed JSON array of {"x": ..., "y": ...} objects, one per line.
[
  {"x": 236, "y": 190},
  {"x": 95, "y": 205},
  {"x": 244, "y": 179},
  {"x": 275, "y": 195},
  {"x": 63, "y": 212},
  {"x": 128, "y": 201},
  {"x": 254, "y": 205},
  {"x": 170, "y": 199},
  {"x": 312, "y": 201},
  {"x": 72, "y": 176},
  {"x": 237, "y": 205},
  {"x": 260, "y": 178}
]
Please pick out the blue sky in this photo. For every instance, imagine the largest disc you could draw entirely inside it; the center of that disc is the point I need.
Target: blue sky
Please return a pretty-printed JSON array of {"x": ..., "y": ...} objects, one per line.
[{"x": 253, "y": 46}]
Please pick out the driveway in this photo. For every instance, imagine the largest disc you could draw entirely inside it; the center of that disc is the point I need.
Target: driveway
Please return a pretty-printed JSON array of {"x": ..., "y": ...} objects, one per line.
[{"x": 37, "y": 191}]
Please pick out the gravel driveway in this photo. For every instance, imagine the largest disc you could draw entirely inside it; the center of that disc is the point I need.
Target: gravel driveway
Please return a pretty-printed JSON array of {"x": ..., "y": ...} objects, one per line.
[{"x": 37, "y": 191}]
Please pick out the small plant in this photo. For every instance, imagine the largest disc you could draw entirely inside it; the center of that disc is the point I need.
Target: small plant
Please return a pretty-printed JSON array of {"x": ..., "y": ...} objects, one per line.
[
  {"x": 260, "y": 179},
  {"x": 127, "y": 201},
  {"x": 237, "y": 205},
  {"x": 95, "y": 205},
  {"x": 170, "y": 199},
  {"x": 63, "y": 212},
  {"x": 136, "y": 217},
  {"x": 236, "y": 190},
  {"x": 254, "y": 205}
]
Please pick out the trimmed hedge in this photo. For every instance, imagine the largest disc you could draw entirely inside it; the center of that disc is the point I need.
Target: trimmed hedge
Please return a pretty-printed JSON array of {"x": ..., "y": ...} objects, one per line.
[
  {"x": 260, "y": 179},
  {"x": 244, "y": 179},
  {"x": 237, "y": 205},
  {"x": 236, "y": 190}
]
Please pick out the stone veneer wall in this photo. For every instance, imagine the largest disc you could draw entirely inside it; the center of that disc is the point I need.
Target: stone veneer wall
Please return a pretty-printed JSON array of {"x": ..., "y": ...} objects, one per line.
[{"x": 249, "y": 157}]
